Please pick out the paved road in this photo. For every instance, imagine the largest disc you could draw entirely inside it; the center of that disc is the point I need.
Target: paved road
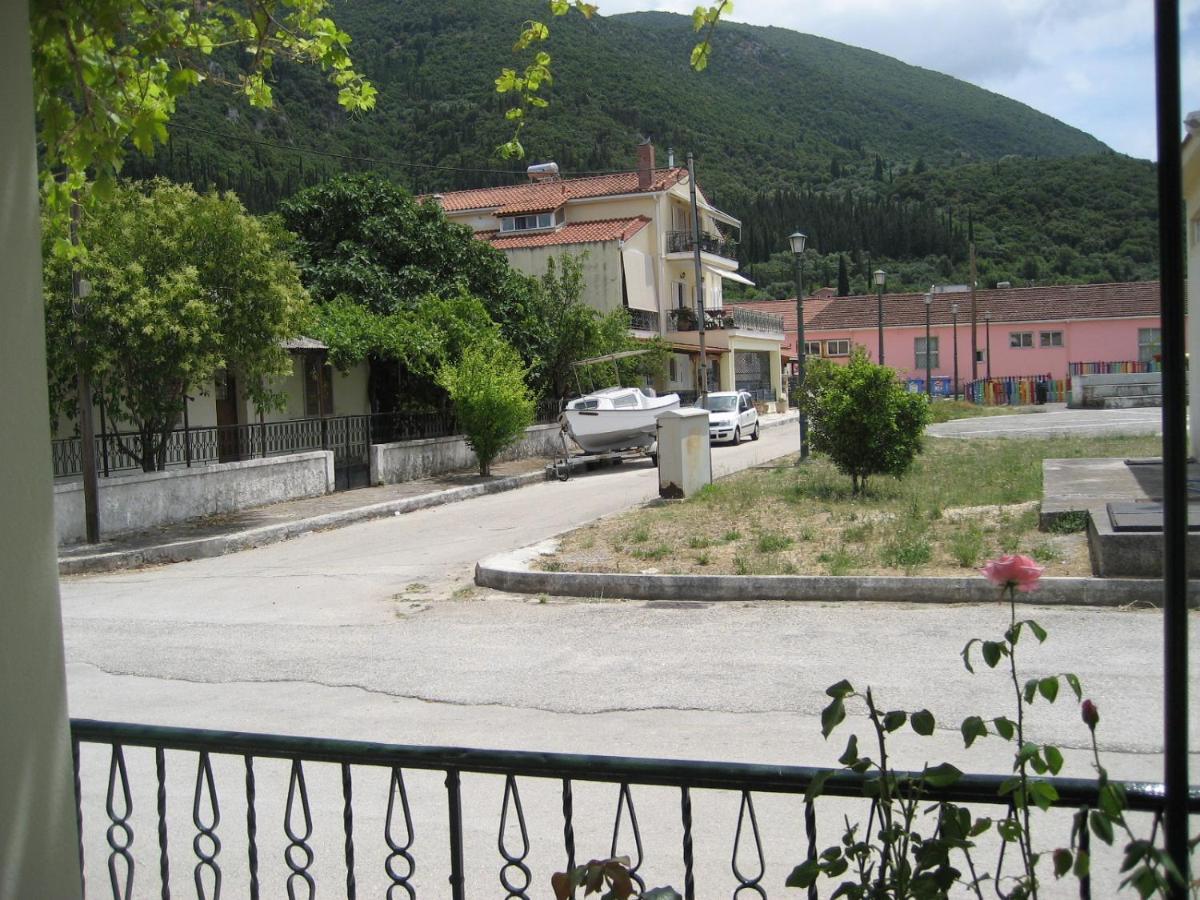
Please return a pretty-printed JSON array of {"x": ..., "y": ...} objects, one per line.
[
  {"x": 375, "y": 632},
  {"x": 1054, "y": 421}
]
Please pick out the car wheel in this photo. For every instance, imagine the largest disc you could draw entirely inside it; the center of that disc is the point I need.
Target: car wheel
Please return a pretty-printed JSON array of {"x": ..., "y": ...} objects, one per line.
[
  {"x": 754, "y": 433},
  {"x": 737, "y": 436}
]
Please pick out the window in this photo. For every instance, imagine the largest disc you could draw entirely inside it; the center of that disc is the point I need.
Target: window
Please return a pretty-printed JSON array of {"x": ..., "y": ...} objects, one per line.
[
  {"x": 530, "y": 222},
  {"x": 919, "y": 353},
  {"x": 980, "y": 356},
  {"x": 1149, "y": 344},
  {"x": 1020, "y": 339},
  {"x": 1050, "y": 339},
  {"x": 837, "y": 348},
  {"x": 812, "y": 348}
]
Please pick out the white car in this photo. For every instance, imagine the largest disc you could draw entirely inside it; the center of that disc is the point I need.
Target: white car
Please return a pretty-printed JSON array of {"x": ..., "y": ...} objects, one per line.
[{"x": 731, "y": 415}]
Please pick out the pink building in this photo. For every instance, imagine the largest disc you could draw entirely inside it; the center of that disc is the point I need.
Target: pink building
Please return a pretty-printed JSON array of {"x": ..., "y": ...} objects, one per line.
[{"x": 1025, "y": 331}]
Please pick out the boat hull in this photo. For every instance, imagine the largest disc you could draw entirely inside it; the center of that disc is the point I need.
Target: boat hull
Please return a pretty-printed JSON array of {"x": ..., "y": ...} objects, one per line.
[{"x": 605, "y": 430}]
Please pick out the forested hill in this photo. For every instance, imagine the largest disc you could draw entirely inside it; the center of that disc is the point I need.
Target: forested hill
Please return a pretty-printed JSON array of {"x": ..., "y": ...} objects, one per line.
[{"x": 776, "y": 111}]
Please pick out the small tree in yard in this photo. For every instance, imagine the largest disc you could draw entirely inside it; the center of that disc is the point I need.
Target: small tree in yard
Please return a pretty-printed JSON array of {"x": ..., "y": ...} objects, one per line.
[
  {"x": 863, "y": 419},
  {"x": 491, "y": 400}
]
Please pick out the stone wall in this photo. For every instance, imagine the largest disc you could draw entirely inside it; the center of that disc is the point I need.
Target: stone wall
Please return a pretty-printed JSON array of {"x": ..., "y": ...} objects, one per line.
[
  {"x": 410, "y": 460},
  {"x": 145, "y": 500}
]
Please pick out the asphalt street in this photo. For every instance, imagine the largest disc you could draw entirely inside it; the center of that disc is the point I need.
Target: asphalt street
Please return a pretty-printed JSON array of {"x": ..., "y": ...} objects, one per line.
[{"x": 376, "y": 632}]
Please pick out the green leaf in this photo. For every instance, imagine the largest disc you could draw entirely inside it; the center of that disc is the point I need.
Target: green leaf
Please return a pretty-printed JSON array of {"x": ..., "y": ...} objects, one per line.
[
  {"x": 841, "y": 690},
  {"x": 942, "y": 775},
  {"x": 832, "y": 716},
  {"x": 992, "y": 651},
  {"x": 1005, "y": 727},
  {"x": 1053, "y": 757},
  {"x": 817, "y": 786},
  {"x": 1062, "y": 862},
  {"x": 1073, "y": 681},
  {"x": 1038, "y": 631},
  {"x": 972, "y": 728},
  {"x": 894, "y": 719},
  {"x": 804, "y": 875},
  {"x": 850, "y": 756},
  {"x": 922, "y": 722},
  {"x": 1048, "y": 687},
  {"x": 982, "y": 824},
  {"x": 1043, "y": 793},
  {"x": 1030, "y": 691},
  {"x": 700, "y": 55},
  {"x": 966, "y": 654},
  {"x": 1101, "y": 826},
  {"x": 1083, "y": 864}
]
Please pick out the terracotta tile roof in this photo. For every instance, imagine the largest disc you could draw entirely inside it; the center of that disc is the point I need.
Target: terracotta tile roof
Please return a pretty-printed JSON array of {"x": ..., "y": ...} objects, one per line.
[
  {"x": 571, "y": 233},
  {"x": 1035, "y": 304},
  {"x": 516, "y": 199}
]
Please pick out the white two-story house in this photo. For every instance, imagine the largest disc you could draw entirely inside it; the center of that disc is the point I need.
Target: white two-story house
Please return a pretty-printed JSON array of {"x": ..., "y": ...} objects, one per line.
[{"x": 634, "y": 231}]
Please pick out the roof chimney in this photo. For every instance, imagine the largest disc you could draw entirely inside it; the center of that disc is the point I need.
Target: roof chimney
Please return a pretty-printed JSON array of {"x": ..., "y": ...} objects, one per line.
[{"x": 645, "y": 165}]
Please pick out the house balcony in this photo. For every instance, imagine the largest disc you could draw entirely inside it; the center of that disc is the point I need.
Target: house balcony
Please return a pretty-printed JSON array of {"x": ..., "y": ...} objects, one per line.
[
  {"x": 643, "y": 320},
  {"x": 684, "y": 242},
  {"x": 727, "y": 319}
]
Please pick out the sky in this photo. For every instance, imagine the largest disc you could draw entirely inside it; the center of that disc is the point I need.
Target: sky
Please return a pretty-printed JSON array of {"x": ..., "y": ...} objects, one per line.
[{"x": 1089, "y": 63}]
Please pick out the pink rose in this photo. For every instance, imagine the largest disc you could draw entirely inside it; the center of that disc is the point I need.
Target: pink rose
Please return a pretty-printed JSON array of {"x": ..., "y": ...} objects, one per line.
[{"x": 1017, "y": 571}]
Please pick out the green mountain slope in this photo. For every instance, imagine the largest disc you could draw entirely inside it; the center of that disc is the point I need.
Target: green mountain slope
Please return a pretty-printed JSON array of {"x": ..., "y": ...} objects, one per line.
[{"x": 775, "y": 112}]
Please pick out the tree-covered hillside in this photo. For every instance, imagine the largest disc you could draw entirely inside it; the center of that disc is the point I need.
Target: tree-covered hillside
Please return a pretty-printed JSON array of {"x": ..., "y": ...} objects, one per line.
[{"x": 782, "y": 125}]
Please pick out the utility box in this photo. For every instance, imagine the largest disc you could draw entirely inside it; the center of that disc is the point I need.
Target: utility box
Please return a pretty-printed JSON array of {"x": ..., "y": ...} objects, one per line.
[{"x": 684, "y": 454}]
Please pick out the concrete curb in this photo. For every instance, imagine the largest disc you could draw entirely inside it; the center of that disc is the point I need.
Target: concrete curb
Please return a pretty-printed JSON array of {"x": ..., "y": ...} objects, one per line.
[
  {"x": 218, "y": 545},
  {"x": 512, "y": 572}
]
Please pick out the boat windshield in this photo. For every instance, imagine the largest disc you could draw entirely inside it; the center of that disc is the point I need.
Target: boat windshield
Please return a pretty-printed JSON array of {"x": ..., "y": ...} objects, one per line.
[{"x": 717, "y": 404}]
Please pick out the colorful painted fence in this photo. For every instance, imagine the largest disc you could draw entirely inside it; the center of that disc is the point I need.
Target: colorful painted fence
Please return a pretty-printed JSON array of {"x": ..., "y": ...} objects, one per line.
[
  {"x": 1114, "y": 367},
  {"x": 1016, "y": 390}
]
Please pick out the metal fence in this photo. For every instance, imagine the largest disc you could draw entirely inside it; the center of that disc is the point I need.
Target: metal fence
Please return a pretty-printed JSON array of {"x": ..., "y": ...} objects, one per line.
[
  {"x": 643, "y": 319},
  {"x": 347, "y": 436},
  {"x": 683, "y": 241},
  {"x": 1016, "y": 390},
  {"x": 321, "y": 775},
  {"x": 753, "y": 320},
  {"x": 1112, "y": 367}
]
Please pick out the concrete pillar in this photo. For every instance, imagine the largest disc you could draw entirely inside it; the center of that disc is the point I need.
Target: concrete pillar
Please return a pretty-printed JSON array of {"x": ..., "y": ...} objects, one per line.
[{"x": 39, "y": 855}]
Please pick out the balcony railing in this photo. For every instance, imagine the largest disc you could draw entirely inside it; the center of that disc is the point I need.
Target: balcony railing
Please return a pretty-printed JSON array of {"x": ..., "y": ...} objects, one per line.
[
  {"x": 727, "y": 319},
  {"x": 312, "y": 806},
  {"x": 643, "y": 320},
  {"x": 684, "y": 242}
]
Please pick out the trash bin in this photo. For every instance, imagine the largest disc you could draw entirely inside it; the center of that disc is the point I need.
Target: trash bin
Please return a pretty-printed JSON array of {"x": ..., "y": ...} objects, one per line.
[{"x": 684, "y": 455}]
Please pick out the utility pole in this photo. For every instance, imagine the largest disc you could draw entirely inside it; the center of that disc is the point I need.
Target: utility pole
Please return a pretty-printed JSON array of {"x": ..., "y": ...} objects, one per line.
[
  {"x": 83, "y": 389},
  {"x": 699, "y": 275},
  {"x": 974, "y": 320}
]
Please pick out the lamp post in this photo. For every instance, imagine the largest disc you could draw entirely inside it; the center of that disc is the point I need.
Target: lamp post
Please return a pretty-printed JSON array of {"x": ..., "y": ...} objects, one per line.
[
  {"x": 928, "y": 372},
  {"x": 954, "y": 320},
  {"x": 797, "y": 240},
  {"x": 987, "y": 352},
  {"x": 880, "y": 278}
]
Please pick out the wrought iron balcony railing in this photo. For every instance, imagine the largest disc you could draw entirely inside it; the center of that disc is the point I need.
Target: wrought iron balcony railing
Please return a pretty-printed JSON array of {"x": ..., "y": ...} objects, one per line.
[
  {"x": 643, "y": 320},
  {"x": 728, "y": 318},
  {"x": 684, "y": 242},
  {"x": 196, "y": 779},
  {"x": 753, "y": 320}
]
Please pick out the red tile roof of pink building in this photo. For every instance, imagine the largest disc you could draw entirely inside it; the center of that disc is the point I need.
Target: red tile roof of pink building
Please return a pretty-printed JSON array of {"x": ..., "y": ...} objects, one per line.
[
  {"x": 571, "y": 233},
  {"x": 518, "y": 199},
  {"x": 1033, "y": 304}
]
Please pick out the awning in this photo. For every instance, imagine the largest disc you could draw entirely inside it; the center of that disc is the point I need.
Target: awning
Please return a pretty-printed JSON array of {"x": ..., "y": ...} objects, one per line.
[
  {"x": 720, "y": 216},
  {"x": 639, "y": 280},
  {"x": 732, "y": 276},
  {"x": 694, "y": 350}
]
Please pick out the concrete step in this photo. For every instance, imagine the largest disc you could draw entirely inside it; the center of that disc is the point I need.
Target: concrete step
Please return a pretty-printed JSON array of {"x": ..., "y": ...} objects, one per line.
[{"x": 1141, "y": 400}]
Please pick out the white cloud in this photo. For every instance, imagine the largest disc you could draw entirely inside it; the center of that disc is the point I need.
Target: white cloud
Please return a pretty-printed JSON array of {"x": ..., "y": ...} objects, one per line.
[{"x": 1089, "y": 63}]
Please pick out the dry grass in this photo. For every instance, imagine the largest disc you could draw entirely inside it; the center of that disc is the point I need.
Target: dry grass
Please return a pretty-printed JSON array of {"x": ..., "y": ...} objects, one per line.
[{"x": 962, "y": 503}]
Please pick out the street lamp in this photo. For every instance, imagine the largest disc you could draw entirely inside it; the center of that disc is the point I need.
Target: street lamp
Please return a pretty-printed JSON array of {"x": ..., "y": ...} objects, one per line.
[
  {"x": 880, "y": 278},
  {"x": 928, "y": 374},
  {"x": 954, "y": 319},
  {"x": 797, "y": 240},
  {"x": 987, "y": 324}
]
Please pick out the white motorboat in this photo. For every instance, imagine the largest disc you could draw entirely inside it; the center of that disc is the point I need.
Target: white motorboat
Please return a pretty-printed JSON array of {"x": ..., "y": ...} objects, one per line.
[{"x": 616, "y": 418}]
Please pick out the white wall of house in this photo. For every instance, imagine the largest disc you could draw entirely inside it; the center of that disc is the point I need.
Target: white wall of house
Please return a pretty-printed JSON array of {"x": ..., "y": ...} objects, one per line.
[
  {"x": 39, "y": 855},
  {"x": 1191, "y": 193},
  {"x": 601, "y": 269}
]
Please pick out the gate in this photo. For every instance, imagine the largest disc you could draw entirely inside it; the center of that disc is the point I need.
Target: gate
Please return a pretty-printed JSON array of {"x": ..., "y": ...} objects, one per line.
[{"x": 349, "y": 437}]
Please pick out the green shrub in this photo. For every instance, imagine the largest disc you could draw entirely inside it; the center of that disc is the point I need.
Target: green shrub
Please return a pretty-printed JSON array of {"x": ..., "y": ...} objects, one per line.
[
  {"x": 1069, "y": 522},
  {"x": 966, "y": 546},
  {"x": 772, "y": 542},
  {"x": 491, "y": 400},
  {"x": 837, "y": 562},
  {"x": 863, "y": 419}
]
